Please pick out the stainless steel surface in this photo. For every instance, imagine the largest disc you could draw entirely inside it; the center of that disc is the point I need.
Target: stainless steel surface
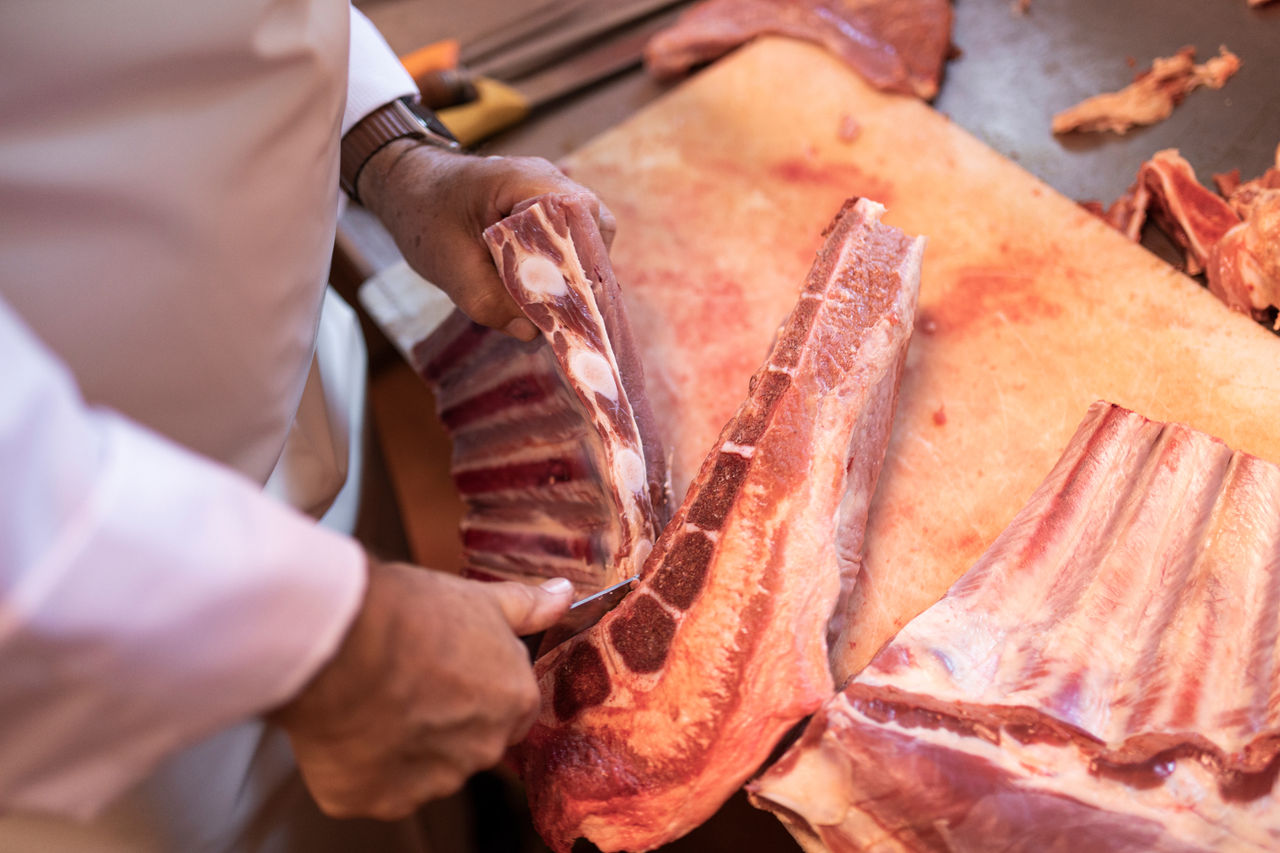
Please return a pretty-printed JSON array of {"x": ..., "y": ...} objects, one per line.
[{"x": 1016, "y": 71}]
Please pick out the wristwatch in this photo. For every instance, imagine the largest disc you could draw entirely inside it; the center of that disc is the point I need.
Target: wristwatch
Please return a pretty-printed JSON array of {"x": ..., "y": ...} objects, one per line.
[{"x": 400, "y": 118}]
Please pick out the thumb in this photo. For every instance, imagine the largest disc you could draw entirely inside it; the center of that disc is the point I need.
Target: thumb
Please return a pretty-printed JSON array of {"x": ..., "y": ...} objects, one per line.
[{"x": 529, "y": 608}]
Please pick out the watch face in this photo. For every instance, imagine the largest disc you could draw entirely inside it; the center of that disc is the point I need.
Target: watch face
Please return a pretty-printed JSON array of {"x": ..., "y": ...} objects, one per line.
[{"x": 429, "y": 119}]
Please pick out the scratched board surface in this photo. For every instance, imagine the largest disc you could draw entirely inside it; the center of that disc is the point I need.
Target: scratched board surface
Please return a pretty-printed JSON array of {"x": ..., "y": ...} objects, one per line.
[{"x": 1031, "y": 309}]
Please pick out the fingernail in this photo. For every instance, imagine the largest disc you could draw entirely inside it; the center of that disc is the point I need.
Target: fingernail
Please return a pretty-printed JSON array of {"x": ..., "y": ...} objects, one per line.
[
  {"x": 521, "y": 329},
  {"x": 557, "y": 586}
]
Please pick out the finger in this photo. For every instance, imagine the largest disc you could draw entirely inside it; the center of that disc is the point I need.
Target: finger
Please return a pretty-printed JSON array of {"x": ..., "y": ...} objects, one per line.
[
  {"x": 522, "y": 329},
  {"x": 608, "y": 225},
  {"x": 530, "y": 609},
  {"x": 478, "y": 290}
]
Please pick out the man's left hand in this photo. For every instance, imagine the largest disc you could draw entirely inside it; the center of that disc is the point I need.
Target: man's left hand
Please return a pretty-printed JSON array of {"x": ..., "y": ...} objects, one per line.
[{"x": 437, "y": 204}]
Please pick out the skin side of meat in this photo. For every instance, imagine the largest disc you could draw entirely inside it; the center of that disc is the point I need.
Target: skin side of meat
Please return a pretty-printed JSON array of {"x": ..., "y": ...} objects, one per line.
[
  {"x": 554, "y": 446},
  {"x": 897, "y": 45},
  {"x": 1108, "y": 663},
  {"x": 1151, "y": 97},
  {"x": 653, "y": 717}
]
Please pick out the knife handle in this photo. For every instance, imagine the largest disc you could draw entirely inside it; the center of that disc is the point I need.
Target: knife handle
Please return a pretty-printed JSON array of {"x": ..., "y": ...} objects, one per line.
[
  {"x": 446, "y": 87},
  {"x": 496, "y": 107},
  {"x": 437, "y": 56}
]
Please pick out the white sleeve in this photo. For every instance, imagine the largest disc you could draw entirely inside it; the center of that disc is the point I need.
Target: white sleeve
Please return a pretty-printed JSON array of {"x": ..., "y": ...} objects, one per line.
[
  {"x": 374, "y": 73},
  {"x": 148, "y": 597}
]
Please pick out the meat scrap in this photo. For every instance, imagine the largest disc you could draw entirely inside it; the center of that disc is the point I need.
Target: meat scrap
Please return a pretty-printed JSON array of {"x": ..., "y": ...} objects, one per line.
[
  {"x": 654, "y": 716},
  {"x": 1234, "y": 239},
  {"x": 1152, "y": 95},
  {"x": 897, "y": 45},
  {"x": 554, "y": 448},
  {"x": 1103, "y": 678}
]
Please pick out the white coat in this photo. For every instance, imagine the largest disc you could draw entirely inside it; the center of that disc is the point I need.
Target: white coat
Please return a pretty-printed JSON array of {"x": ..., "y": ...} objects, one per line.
[{"x": 168, "y": 195}]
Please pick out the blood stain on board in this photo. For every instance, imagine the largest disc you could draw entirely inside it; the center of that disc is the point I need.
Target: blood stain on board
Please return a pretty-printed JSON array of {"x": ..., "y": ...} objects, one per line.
[
  {"x": 843, "y": 178},
  {"x": 1014, "y": 287}
]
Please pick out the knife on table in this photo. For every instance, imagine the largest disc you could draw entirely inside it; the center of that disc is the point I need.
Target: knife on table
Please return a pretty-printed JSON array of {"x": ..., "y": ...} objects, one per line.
[
  {"x": 580, "y": 616},
  {"x": 508, "y": 88}
]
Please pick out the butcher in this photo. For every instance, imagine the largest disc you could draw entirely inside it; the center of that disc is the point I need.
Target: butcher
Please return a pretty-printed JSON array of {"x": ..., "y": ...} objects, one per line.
[{"x": 195, "y": 654}]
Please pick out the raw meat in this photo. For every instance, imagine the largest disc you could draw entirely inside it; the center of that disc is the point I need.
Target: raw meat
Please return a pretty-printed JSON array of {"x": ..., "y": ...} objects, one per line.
[
  {"x": 1235, "y": 240},
  {"x": 554, "y": 447},
  {"x": 653, "y": 717},
  {"x": 897, "y": 45},
  {"x": 1103, "y": 678},
  {"x": 1184, "y": 208},
  {"x": 1152, "y": 96},
  {"x": 1244, "y": 266}
]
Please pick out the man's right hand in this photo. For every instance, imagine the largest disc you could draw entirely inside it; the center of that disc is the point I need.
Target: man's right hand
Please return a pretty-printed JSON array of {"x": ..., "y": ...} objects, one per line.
[{"x": 430, "y": 685}]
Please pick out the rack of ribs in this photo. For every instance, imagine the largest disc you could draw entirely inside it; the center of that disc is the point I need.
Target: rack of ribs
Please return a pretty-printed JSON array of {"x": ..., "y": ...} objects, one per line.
[
  {"x": 1105, "y": 677},
  {"x": 653, "y": 717},
  {"x": 555, "y": 450}
]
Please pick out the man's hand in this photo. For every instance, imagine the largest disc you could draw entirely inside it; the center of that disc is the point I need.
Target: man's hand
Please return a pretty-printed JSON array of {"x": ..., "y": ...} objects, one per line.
[
  {"x": 430, "y": 685},
  {"x": 437, "y": 204}
]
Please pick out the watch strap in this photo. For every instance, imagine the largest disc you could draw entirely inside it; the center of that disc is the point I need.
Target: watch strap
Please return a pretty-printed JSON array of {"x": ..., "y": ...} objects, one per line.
[{"x": 396, "y": 120}]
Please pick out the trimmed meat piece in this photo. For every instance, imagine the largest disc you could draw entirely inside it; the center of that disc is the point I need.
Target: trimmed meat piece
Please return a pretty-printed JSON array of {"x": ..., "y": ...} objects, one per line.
[
  {"x": 653, "y": 717},
  {"x": 1244, "y": 266},
  {"x": 1103, "y": 678},
  {"x": 897, "y": 45},
  {"x": 1235, "y": 241},
  {"x": 1185, "y": 209},
  {"x": 1152, "y": 96}
]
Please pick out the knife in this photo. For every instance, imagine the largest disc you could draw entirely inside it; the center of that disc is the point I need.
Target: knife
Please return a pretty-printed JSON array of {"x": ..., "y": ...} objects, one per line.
[
  {"x": 580, "y": 616},
  {"x": 500, "y": 105}
]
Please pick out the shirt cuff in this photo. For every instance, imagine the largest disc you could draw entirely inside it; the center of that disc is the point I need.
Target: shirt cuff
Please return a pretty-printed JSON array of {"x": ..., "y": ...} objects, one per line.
[{"x": 374, "y": 75}]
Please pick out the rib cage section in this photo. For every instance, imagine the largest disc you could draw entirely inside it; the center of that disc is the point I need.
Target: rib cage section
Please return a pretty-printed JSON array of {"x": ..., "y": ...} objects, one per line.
[
  {"x": 1135, "y": 601},
  {"x": 553, "y": 445},
  {"x": 1104, "y": 677}
]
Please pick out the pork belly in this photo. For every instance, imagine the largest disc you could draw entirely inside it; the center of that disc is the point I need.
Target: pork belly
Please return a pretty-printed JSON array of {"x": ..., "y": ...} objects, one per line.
[
  {"x": 652, "y": 718},
  {"x": 555, "y": 450},
  {"x": 897, "y": 45},
  {"x": 1105, "y": 677}
]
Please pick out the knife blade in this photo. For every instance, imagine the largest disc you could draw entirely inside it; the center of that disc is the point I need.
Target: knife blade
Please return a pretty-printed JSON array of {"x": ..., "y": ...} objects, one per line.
[
  {"x": 524, "y": 56},
  {"x": 580, "y": 616},
  {"x": 501, "y": 105}
]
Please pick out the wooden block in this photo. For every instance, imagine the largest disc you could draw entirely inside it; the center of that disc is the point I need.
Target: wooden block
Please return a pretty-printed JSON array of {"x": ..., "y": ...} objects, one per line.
[{"x": 416, "y": 450}]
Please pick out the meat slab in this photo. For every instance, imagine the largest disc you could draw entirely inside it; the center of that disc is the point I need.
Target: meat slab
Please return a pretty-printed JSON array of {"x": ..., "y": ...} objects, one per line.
[
  {"x": 652, "y": 718},
  {"x": 897, "y": 45},
  {"x": 554, "y": 447},
  {"x": 1152, "y": 96},
  {"x": 1103, "y": 678}
]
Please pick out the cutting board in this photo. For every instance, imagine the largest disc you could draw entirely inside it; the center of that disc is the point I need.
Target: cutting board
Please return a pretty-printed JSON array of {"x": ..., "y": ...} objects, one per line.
[{"x": 1030, "y": 308}]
